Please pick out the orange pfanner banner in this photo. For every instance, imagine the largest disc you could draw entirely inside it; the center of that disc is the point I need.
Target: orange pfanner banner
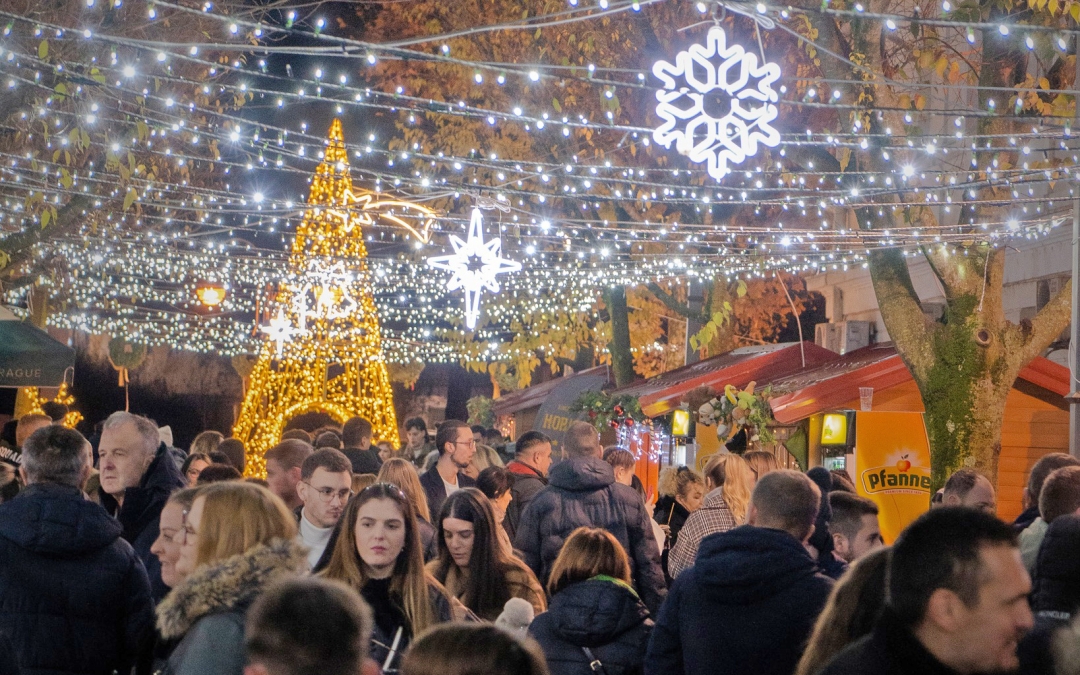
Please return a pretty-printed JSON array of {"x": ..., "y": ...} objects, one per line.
[{"x": 892, "y": 467}]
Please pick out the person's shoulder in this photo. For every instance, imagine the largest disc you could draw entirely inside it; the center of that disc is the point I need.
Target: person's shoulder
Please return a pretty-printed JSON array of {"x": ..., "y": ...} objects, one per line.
[
  {"x": 857, "y": 658},
  {"x": 465, "y": 480}
]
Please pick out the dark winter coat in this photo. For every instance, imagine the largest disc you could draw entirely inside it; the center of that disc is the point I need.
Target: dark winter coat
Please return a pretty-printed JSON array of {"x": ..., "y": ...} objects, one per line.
[
  {"x": 528, "y": 482},
  {"x": 746, "y": 607},
  {"x": 141, "y": 512},
  {"x": 389, "y": 615},
  {"x": 74, "y": 597},
  {"x": 206, "y": 612},
  {"x": 364, "y": 461},
  {"x": 583, "y": 493},
  {"x": 601, "y": 614},
  {"x": 435, "y": 491},
  {"x": 1055, "y": 595},
  {"x": 671, "y": 513},
  {"x": 891, "y": 649},
  {"x": 1026, "y": 518}
]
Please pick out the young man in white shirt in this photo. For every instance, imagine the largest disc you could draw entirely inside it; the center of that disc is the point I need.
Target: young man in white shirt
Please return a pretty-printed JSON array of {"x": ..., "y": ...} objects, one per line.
[{"x": 325, "y": 487}]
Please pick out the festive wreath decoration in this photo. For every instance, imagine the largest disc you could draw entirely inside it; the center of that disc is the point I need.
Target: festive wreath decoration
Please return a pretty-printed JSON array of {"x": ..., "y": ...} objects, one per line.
[
  {"x": 737, "y": 409},
  {"x": 603, "y": 409}
]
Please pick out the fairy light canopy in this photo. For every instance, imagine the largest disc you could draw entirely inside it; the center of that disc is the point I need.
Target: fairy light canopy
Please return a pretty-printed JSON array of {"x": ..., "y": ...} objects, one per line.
[{"x": 149, "y": 167}]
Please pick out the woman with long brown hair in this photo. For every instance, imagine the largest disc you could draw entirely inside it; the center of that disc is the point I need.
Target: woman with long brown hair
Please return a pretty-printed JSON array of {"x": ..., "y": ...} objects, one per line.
[
  {"x": 378, "y": 553},
  {"x": 472, "y": 564},
  {"x": 237, "y": 539},
  {"x": 853, "y": 607},
  {"x": 730, "y": 481},
  {"x": 595, "y": 617},
  {"x": 402, "y": 473}
]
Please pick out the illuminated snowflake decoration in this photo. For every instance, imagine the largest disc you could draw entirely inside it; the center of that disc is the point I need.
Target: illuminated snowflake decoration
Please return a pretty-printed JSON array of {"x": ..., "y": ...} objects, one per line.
[
  {"x": 717, "y": 104},
  {"x": 324, "y": 294},
  {"x": 280, "y": 330},
  {"x": 474, "y": 264}
]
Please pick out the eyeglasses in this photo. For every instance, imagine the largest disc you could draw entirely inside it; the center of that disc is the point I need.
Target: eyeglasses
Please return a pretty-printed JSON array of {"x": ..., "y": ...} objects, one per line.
[
  {"x": 469, "y": 443},
  {"x": 328, "y": 493}
]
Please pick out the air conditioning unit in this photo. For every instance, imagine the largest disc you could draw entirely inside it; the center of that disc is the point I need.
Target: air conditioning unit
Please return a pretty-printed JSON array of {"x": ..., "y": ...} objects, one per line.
[{"x": 842, "y": 337}]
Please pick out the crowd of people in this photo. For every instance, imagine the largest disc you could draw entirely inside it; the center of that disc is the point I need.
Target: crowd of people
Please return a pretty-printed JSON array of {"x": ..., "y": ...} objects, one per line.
[{"x": 463, "y": 554}]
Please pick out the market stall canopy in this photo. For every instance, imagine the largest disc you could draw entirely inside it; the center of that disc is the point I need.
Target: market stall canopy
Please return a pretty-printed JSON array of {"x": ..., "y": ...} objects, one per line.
[
  {"x": 29, "y": 357},
  {"x": 836, "y": 384},
  {"x": 738, "y": 367}
]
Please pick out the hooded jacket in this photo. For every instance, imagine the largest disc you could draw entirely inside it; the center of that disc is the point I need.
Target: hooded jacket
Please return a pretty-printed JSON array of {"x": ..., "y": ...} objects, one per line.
[
  {"x": 141, "y": 512},
  {"x": 74, "y": 598},
  {"x": 745, "y": 608},
  {"x": 206, "y": 612},
  {"x": 583, "y": 493},
  {"x": 1055, "y": 594},
  {"x": 601, "y": 614},
  {"x": 528, "y": 482}
]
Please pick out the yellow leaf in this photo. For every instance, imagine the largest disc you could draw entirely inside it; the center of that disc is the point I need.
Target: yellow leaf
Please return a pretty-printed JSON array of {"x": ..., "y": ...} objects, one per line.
[
  {"x": 1044, "y": 83},
  {"x": 45, "y": 218},
  {"x": 920, "y": 102},
  {"x": 1074, "y": 11},
  {"x": 1054, "y": 7},
  {"x": 941, "y": 65},
  {"x": 43, "y": 49},
  {"x": 129, "y": 198}
]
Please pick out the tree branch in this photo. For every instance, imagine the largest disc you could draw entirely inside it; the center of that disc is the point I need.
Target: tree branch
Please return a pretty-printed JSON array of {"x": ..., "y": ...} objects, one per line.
[
  {"x": 674, "y": 305},
  {"x": 1047, "y": 324},
  {"x": 901, "y": 310},
  {"x": 20, "y": 246}
]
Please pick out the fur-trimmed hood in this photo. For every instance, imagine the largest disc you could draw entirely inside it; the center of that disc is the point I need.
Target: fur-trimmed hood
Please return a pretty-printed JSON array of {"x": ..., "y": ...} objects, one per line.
[{"x": 228, "y": 586}]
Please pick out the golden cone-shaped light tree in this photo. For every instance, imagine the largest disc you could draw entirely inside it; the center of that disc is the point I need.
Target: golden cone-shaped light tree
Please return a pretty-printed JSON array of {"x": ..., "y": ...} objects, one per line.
[{"x": 324, "y": 346}]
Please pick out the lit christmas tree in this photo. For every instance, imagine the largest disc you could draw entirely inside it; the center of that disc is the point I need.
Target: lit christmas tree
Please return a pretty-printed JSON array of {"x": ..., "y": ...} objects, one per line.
[{"x": 323, "y": 351}]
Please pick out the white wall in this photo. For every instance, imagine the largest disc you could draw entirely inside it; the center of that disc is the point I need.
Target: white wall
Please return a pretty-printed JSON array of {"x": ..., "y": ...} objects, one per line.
[{"x": 849, "y": 296}]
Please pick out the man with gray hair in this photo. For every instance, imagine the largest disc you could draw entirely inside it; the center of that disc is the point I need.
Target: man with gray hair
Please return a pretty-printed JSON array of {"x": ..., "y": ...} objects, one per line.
[
  {"x": 74, "y": 597},
  {"x": 137, "y": 477},
  {"x": 582, "y": 492},
  {"x": 748, "y": 604}
]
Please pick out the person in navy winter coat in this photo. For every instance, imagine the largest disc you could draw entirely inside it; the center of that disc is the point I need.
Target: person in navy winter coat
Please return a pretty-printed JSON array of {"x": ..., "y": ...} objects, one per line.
[
  {"x": 595, "y": 616},
  {"x": 583, "y": 493},
  {"x": 74, "y": 598},
  {"x": 749, "y": 603}
]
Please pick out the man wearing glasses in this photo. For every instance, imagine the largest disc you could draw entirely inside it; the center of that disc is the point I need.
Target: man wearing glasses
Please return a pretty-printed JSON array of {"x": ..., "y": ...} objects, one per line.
[
  {"x": 456, "y": 446},
  {"x": 325, "y": 486}
]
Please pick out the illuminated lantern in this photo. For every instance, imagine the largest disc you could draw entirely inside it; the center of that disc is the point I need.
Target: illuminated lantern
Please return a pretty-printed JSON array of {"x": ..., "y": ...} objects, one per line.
[{"x": 210, "y": 294}]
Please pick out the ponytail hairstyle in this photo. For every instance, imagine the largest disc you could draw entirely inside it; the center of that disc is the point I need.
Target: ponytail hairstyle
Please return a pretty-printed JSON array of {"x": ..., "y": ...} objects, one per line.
[
  {"x": 733, "y": 475},
  {"x": 410, "y": 585}
]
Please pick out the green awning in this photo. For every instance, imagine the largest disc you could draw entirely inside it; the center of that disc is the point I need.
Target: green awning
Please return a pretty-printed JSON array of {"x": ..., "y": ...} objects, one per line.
[{"x": 29, "y": 357}]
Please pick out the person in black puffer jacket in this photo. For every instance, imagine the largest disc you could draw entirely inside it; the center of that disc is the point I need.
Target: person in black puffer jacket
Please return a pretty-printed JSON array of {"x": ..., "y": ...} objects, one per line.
[
  {"x": 1055, "y": 596},
  {"x": 583, "y": 493},
  {"x": 595, "y": 615},
  {"x": 748, "y": 604},
  {"x": 74, "y": 598}
]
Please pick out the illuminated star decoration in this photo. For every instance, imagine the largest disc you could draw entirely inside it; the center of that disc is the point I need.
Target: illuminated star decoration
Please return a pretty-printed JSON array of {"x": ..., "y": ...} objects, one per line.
[
  {"x": 719, "y": 119},
  {"x": 474, "y": 265},
  {"x": 362, "y": 208},
  {"x": 324, "y": 294},
  {"x": 280, "y": 330}
]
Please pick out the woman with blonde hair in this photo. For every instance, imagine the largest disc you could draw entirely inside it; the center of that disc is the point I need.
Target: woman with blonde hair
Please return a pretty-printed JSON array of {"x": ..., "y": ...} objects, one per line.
[
  {"x": 730, "y": 481},
  {"x": 594, "y": 616},
  {"x": 485, "y": 456},
  {"x": 472, "y": 564},
  {"x": 761, "y": 463},
  {"x": 402, "y": 473},
  {"x": 237, "y": 539},
  {"x": 206, "y": 442},
  {"x": 854, "y": 605},
  {"x": 378, "y": 553}
]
